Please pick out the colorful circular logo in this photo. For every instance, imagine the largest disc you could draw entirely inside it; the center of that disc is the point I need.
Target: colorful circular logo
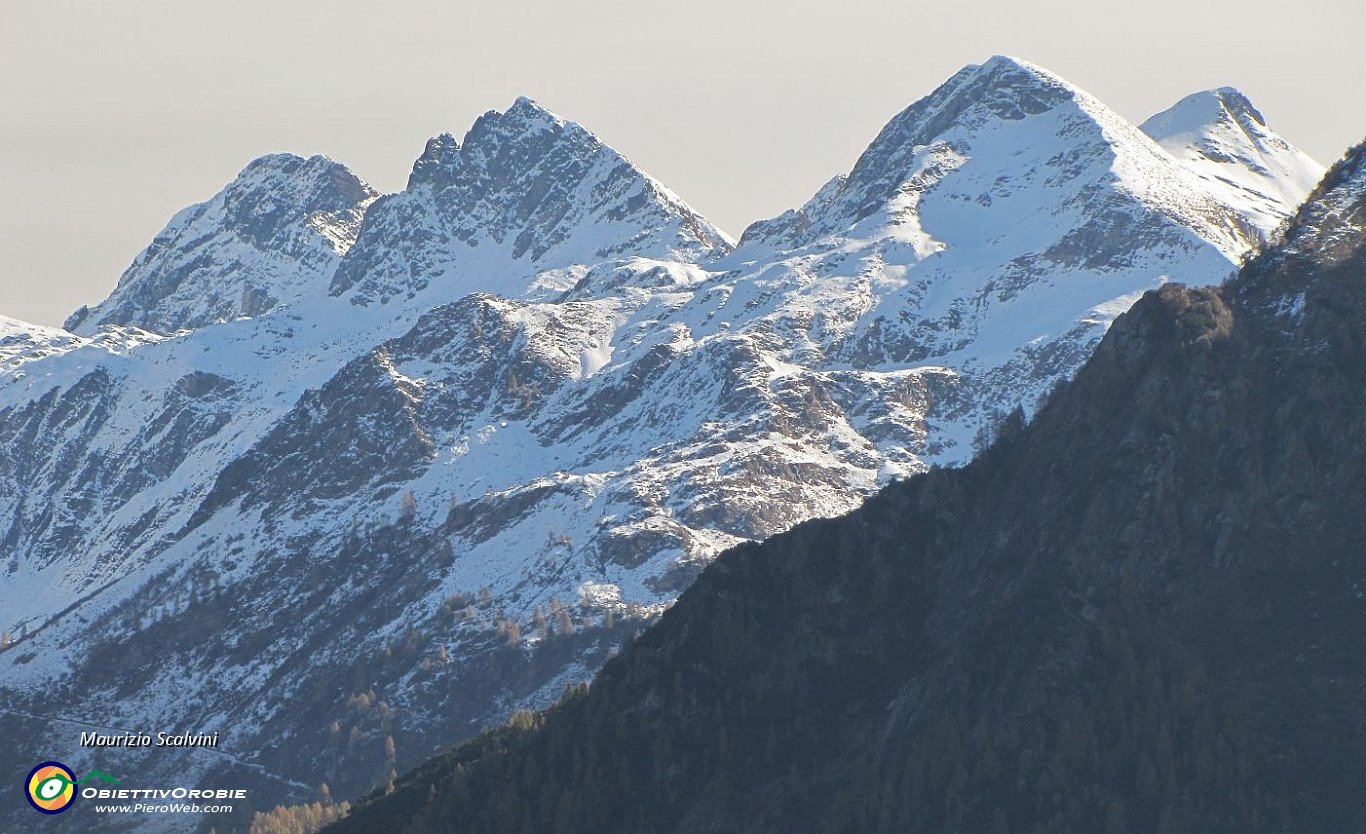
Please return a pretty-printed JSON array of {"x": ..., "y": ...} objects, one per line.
[{"x": 51, "y": 787}]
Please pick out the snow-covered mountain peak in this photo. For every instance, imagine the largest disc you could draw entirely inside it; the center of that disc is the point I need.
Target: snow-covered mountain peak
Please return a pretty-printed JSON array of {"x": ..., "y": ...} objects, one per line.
[
  {"x": 1007, "y": 214},
  {"x": 1203, "y": 112},
  {"x": 1224, "y": 139},
  {"x": 1003, "y": 130},
  {"x": 274, "y": 233},
  {"x": 525, "y": 192},
  {"x": 317, "y": 180},
  {"x": 523, "y": 117},
  {"x": 1009, "y": 87},
  {"x": 442, "y": 159}
]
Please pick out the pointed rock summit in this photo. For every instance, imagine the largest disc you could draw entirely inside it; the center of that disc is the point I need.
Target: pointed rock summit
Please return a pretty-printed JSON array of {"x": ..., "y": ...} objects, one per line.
[
  {"x": 437, "y": 161},
  {"x": 277, "y": 231},
  {"x": 531, "y": 191}
]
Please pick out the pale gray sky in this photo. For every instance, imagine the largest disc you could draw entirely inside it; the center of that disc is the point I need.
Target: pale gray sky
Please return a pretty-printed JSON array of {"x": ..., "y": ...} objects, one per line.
[{"x": 114, "y": 115}]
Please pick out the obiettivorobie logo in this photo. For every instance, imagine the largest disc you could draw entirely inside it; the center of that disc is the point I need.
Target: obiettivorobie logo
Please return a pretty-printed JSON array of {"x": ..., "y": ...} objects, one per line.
[{"x": 51, "y": 786}]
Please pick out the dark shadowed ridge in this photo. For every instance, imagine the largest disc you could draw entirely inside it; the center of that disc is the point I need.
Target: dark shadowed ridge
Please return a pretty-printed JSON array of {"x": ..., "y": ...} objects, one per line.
[{"x": 1142, "y": 612}]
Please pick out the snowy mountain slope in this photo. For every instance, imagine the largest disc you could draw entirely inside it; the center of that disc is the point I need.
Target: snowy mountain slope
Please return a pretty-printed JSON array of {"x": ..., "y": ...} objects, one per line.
[
  {"x": 536, "y": 395},
  {"x": 22, "y": 342},
  {"x": 1220, "y": 136},
  {"x": 271, "y": 236},
  {"x": 995, "y": 227}
]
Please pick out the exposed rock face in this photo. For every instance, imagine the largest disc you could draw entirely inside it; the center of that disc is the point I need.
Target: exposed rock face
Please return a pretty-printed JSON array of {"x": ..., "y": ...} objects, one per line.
[
  {"x": 525, "y": 187},
  {"x": 525, "y": 408},
  {"x": 1141, "y": 612}
]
